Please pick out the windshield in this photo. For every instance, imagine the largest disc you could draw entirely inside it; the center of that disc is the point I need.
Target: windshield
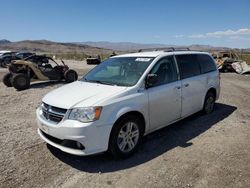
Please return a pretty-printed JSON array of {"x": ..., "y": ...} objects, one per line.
[{"x": 121, "y": 71}]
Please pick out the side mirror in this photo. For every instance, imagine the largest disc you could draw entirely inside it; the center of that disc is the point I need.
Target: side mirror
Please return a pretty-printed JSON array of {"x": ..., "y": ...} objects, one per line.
[{"x": 151, "y": 79}]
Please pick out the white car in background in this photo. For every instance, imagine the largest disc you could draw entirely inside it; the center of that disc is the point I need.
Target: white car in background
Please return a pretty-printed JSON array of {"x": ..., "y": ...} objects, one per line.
[
  {"x": 126, "y": 97},
  {"x": 4, "y": 52}
]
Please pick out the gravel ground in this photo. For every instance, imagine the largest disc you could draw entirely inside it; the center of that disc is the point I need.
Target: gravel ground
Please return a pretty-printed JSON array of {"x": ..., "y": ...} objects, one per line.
[{"x": 199, "y": 151}]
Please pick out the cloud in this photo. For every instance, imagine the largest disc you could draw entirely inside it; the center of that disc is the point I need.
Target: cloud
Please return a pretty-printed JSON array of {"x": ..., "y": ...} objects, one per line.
[
  {"x": 179, "y": 36},
  {"x": 239, "y": 38},
  {"x": 219, "y": 34},
  {"x": 157, "y": 37},
  {"x": 199, "y": 36}
]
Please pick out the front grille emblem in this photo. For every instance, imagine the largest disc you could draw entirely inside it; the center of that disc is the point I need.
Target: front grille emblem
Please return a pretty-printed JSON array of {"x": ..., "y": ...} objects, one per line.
[{"x": 51, "y": 113}]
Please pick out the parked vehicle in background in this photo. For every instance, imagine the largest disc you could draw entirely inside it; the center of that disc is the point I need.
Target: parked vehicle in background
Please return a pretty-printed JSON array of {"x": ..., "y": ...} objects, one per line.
[
  {"x": 23, "y": 55},
  {"x": 94, "y": 60},
  {"x": 7, "y": 58},
  {"x": 3, "y": 52},
  {"x": 230, "y": 61},
  {"x": 127, "y": 97},
  {"x": 34, "y": 68}
]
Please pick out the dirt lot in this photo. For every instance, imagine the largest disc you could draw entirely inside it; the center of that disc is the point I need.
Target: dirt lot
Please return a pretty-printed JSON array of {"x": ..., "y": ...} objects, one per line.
[{"x": 200, "y": 151}]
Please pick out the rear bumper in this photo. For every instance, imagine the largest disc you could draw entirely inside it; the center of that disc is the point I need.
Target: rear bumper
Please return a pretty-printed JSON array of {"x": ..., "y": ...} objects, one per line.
[{"x": 94, "y": 138}]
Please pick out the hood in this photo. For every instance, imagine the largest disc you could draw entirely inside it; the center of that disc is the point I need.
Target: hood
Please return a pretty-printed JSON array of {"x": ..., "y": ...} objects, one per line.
[{"x": 86, "y": 93}]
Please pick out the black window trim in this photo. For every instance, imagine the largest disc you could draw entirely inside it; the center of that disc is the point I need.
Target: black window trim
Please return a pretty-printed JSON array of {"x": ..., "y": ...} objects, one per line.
[
  {"x": 200, "y": 64},
  {"x": 175, "y": 65},
  {"x": 196, "y": 54}
]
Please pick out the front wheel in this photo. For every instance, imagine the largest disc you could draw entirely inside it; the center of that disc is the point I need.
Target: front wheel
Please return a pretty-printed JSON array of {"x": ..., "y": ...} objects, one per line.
[
  {"x": 209, "y": 102},
  {"x": 7, "y": 79},
  {"x": 70, "y": 76},
  {"x": 21, "y": 81},
  {"x": 125, "y": 136}
]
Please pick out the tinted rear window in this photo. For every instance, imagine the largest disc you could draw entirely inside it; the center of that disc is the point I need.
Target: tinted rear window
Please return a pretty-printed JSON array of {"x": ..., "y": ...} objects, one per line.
[
  {"x": 206, "y": 62},
  {"x": 188, "y": 65}
]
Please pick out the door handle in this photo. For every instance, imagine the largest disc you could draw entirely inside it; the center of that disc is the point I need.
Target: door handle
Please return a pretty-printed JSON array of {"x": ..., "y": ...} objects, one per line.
[
  {"x": 178, "y": 87},
  {"x": 186, "y": 85}
]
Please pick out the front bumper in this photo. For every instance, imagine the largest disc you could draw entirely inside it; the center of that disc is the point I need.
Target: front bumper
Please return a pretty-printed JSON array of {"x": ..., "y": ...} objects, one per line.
[{"x": 93, "y": 137}]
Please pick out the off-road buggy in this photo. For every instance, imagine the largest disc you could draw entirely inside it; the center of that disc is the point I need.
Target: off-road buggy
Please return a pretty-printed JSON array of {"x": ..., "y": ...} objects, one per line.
[
  {"x": 94, "y": 60},
  {"x": 37, "y": 68}
]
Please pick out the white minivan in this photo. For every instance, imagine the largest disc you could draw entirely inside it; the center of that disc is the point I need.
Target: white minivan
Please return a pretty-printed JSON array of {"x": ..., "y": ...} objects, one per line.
[{"x": 126, "y": 97}]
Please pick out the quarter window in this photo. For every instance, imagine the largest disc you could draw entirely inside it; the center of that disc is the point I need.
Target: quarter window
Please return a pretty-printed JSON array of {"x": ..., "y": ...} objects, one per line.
[
  {"x": 206, "y": 62},
  {"x": 188, "y": 65}
]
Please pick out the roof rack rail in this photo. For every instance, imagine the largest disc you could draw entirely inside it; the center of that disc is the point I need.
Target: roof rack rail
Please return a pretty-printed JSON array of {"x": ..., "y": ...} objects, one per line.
[{"x": 168, "y": 49}]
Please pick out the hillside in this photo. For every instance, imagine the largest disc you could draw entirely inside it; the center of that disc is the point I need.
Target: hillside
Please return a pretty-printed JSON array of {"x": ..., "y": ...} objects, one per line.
[
  {"x": 129, "y": 46},
  {"x": 80, "y": 50},
  {"x": 123, "y": 46},
  {"x": 49, "y": 47},
  {"x": 4, "y": 41}
]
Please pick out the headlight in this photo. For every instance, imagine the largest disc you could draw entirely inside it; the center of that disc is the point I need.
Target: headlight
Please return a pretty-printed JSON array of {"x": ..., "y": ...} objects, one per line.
[{"x": 85, "y": 114}]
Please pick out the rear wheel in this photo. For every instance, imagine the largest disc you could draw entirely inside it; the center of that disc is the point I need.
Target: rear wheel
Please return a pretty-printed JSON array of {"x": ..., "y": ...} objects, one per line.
[
  {"x": 7, "y": 79},
  {"x": 70, "y": 76},
  {"x": 125, "y": 136},
  {"x": 21, "y": 81},
  {"x": 209, "y": 102}
]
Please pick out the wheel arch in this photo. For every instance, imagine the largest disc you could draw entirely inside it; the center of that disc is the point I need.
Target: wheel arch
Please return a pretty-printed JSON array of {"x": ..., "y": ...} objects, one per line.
[
  {"x": 133, "y": 112},
  {"x": 212, "y": 90}
]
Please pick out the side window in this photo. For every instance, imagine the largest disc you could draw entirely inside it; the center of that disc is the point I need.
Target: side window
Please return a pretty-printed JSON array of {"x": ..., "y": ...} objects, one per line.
[
  {"x": 188, "y": 65},
  {"x": 165, "y": 70},
  {"x": 19, "y": 56},
  {"x": 206, "y": 62}
]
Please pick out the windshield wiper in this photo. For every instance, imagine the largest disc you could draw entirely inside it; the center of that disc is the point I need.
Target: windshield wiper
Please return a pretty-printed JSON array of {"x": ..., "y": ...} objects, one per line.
[
  {"x": 102, "y": 82},
  {"x": 99, "y": 81}
]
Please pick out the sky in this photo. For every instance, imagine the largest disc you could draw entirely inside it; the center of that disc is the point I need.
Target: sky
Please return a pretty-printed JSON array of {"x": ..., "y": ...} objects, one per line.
[{"x": 175, "y": 22}]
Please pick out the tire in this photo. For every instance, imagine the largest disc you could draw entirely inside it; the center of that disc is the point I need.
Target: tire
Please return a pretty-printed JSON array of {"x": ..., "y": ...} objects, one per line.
[
  {"x": 70, "y": 76},
  {"x": 4, "y": 64},
  {"x": 7, "y": 79},
  {"x": 21, "y": 81},
  {"x": 121, "y": 139},
  {"x": 209, "y": 102}
]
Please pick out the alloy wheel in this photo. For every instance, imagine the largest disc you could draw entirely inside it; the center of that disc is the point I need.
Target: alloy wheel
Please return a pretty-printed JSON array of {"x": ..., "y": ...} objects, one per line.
[{"x": 128, "y": 137}]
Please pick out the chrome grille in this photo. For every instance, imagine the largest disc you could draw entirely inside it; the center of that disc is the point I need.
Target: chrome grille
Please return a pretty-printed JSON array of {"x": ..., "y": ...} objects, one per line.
[{"x": 52, "y": 113}]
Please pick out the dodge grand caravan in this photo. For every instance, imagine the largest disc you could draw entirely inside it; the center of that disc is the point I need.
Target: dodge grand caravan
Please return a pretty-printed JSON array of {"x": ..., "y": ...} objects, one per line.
[{"x": 126, "y": 97}]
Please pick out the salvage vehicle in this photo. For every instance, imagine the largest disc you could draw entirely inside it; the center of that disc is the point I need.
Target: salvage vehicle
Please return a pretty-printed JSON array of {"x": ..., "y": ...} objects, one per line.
[
  {"x": 126, "y": 97},
  {"x": 37, "y": 68},
  {"x": 230, "y": 61}
]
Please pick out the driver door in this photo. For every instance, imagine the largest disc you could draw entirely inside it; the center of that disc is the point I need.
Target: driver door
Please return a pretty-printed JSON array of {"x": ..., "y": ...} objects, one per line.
[{"x": 165, "y": 95}]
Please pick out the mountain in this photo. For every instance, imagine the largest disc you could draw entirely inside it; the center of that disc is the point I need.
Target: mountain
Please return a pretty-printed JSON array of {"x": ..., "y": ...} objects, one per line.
[
  {"x": 129, "y": 46},
  {"x": 92, "y": 48},
  {"x": 123, "y": 46},
  {"x": 45, "y": 46},
  {"x": 4, "y": 41}
]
